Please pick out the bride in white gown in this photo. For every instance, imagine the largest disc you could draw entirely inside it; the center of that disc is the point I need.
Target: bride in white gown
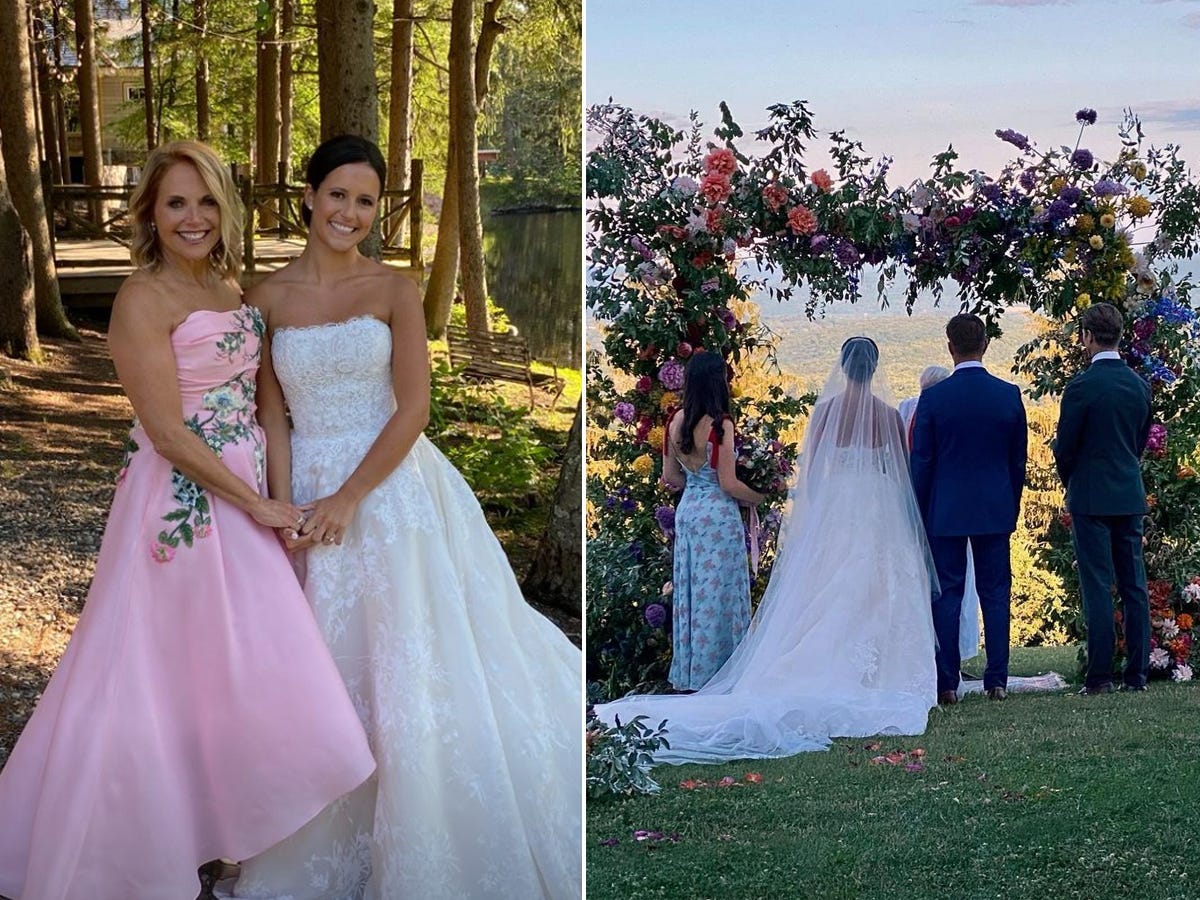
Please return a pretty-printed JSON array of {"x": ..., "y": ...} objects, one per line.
[
  {"x": 842, "y": 643},
  {"x": 471, "y": 699}
]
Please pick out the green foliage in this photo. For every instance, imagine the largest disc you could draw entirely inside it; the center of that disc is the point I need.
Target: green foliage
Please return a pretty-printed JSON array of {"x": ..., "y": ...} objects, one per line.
[
  {"x": 621, "y": 756},
  {"x": 489, "y": 441},
  {"x": 532, "y": 113}
]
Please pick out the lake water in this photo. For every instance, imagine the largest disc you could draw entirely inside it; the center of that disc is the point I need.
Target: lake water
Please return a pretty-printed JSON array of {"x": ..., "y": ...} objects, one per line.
[{"x": 535, "y": 274}]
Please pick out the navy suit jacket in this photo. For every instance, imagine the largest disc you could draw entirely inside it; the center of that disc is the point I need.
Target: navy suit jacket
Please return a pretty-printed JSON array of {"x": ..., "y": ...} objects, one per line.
[
  {"x": 968, "y": 455},
  {"x": 1103, "y": 425}
]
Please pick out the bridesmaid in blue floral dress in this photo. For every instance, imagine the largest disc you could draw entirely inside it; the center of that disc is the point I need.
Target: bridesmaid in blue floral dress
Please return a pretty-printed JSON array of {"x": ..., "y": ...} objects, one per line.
[{"x": 711, "y": 597}]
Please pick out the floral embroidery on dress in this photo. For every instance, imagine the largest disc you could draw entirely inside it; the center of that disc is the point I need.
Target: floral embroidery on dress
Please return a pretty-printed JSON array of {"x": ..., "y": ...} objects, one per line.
[
  {"x": 227, "y": 418},
  {"x": 131, "y": 447}
]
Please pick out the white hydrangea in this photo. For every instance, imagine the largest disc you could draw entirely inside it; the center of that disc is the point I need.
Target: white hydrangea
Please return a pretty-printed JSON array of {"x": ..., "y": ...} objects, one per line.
[
  {"x": 1159, "y": 658},
  {"x": 1182, "y": 673}
]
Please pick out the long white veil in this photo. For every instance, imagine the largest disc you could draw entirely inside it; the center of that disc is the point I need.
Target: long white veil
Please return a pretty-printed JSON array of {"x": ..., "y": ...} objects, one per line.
[{"x": 842, "y": 642}]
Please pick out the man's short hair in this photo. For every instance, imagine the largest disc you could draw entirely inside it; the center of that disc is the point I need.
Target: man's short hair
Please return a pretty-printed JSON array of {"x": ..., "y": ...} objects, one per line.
[
  {"x": 967, "y": 334},
  {"x": 1105, "y": 323}
]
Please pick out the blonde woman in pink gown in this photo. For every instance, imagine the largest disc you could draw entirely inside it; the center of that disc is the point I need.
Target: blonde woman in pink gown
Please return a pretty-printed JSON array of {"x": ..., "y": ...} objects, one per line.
[{"x": 196, "y": 714}]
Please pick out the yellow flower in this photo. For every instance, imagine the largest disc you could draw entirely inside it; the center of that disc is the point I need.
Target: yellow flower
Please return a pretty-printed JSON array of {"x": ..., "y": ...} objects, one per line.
[
  {"x": 1083, "y": 301},
  {"x": 1138, "y": 170},
  {"x": 670, "y": 400},
  {"x": 1096, "y": 241},
  {"x": 1085, "y": 224},
  {"x": 644, "y": 464},
  {"x": 1185, "y": 471},
  {"x": 1139, "y": 206},
  {"x": 735, "y": 391},
  {"x": 1058, "y": 184},
  {"x": 1108, "y": 220},
  {"x": 655, "y": 437}
]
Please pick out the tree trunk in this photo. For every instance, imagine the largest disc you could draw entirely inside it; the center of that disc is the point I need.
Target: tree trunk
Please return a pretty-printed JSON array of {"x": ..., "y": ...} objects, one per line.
[
  {"x": 489, "y": 33},
  {"x": 439, "y": 290},
  {"x": 556, "y": 575},
  {"x": 147, "y": 76},
  {"x": 443, "y": 274},
  {"x": 346, "y": 74},
  {"x": 18, "y": 317},
  {"x": 400, "y": 99},
  {"x": 49, "y": 88},
  {"x": 288, "y": 14},
  {"x": 89, "y": 99},
  {"x": 21, "y": 166},
  {"x": 60, "y": 107},
  {"x": 267, "y": 123},
  {"x": 203, "y": 106},
  {"x": 463, "y": 116}
]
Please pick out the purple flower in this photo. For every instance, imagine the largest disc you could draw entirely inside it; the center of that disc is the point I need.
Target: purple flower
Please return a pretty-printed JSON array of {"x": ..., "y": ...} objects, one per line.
[
  {"x": 1028, "y": 179},
  {"x": 665, "y": 516},
  {"x": 643, "y": 384},
  {"x": 1158, "y": 437},
  {"x": 992, "y": 191},
  {"x": 1018, "y": 140},
  {"x": 710, "y": 285},
  {"x": 1144, "y": 328},
  {"x": 1106, "y": 187},
  {"x": 728, "y": 319},
  {"x": 655, "y": 615},
  {"x": 624, "y": 412},
  {"x": 1058, "y": 210},
  {"x": 846, "y": 253},
  {"x": 640, "y": 246},
  {"x": 1082, "y": 158},
  {"x": 1086, "y": 116},
  {"x": 1070, "y": 194},
  {"x": 671, "y": 375},
  {"x": 819, "y": 243}
]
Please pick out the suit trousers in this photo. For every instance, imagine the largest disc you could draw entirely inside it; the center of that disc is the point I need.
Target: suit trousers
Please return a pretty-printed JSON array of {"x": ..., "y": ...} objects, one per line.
[
  {"x": 993, "y": 581},
  {"x": 1109, "y": 549}
]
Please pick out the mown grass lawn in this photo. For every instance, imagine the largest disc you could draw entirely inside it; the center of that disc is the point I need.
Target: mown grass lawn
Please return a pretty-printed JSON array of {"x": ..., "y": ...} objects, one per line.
[{"x": 1042, "y": 796}]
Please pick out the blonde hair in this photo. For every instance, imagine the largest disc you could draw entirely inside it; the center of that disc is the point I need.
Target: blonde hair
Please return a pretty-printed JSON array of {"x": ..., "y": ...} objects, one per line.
[{"x": 145, "y": 251}]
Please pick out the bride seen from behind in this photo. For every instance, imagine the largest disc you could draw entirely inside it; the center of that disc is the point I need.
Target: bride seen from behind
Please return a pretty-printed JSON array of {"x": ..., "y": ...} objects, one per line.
[
  {"x": 842, "y": 643},
  {"x": 470, "y": 698}
]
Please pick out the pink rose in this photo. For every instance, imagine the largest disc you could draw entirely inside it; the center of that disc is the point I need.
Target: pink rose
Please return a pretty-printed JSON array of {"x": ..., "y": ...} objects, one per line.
[
  {"x": 162, "y": 553},
  {"x": 715, "y": 188},
  {"x": 801, "y": 220},
  {"x": 713, "y": 219},
  {"x": 775, "y": 196},
  {"x": 822, "y": 180},
  {"x": 684, "y": 350},
  {"x": 721, "y": 161}
]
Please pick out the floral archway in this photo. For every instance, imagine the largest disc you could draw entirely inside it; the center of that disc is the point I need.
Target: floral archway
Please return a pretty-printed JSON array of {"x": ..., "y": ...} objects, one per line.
[{"x": 684, "y": 231}]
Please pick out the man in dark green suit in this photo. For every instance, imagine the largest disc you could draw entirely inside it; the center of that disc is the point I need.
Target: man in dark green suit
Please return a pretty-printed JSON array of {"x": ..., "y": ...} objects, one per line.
[{"x": 1102, "y": 430}]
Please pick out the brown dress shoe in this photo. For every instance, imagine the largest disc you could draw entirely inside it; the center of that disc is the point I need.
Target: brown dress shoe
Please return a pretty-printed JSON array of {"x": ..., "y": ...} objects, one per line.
[
  {"x": 997, "y": 693},
  {"x": 947, "y": 698}
]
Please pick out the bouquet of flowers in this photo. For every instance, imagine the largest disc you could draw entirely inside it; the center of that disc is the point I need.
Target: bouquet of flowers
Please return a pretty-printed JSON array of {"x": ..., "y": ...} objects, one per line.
[{"x": 760, "y": 464}]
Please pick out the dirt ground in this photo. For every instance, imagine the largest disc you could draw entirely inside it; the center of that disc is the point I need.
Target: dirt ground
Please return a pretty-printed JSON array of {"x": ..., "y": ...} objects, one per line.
[{"x": 62, "y": 426}]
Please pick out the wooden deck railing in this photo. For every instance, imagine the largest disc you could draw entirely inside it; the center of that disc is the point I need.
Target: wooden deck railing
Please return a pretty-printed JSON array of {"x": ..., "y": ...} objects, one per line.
[{"x": 78, "y": 211}]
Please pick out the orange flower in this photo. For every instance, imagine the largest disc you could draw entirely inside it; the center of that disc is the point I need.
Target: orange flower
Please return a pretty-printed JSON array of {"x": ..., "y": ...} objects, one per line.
[
  {"x": 801, "y": 220},
  {"x": 822, "y": 180},
  {"x": 1185, "y": 471},
  {"x": 775, "y": 196},
  {"x": 1184, "y": 621}
]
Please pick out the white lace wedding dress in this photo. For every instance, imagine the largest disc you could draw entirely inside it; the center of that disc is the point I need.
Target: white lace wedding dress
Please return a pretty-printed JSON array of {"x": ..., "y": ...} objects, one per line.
[{"x": 470, "y": 697}]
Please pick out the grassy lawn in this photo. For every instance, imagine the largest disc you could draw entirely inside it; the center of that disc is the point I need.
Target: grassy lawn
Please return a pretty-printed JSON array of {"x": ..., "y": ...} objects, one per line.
[{"x": 1043, "y": 796}]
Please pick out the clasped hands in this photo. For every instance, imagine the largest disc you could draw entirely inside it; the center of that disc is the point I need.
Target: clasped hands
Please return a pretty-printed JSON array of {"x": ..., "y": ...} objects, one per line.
[{"x": 323, "y": 521}]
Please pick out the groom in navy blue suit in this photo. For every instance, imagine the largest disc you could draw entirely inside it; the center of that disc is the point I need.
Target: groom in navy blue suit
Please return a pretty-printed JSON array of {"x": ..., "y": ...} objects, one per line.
[{"x": 968, "y": 471}]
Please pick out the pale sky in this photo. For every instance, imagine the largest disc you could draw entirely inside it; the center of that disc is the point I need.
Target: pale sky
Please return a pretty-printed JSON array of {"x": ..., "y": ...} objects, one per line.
[{"x": 909, "y": 77}]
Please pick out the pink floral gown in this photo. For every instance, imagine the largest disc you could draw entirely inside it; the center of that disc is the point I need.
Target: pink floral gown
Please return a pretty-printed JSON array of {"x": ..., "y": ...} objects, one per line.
[{"x": 196, "y": 713}]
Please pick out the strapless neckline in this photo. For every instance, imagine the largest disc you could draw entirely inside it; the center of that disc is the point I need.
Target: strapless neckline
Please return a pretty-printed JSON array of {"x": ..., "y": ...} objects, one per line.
[{"x": 339, "y": 322}]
